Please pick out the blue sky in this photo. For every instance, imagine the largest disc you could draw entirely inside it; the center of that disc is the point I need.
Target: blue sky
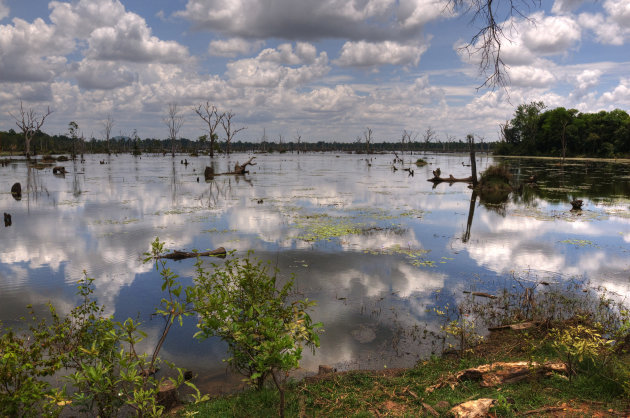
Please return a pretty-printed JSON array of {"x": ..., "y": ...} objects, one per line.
[{"x": 325, "y": 69}]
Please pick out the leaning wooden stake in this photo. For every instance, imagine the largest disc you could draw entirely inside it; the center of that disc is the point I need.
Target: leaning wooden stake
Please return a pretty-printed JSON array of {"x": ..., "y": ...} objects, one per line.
[{"x": 473, "y": 161}]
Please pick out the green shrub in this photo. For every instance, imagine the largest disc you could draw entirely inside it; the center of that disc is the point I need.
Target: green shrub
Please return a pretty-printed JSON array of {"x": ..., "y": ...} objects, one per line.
[{"x": 240, "y": 303}]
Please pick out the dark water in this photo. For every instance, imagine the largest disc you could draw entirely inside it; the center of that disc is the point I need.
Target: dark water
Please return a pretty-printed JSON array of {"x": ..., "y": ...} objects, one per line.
[{"x": 374, "y": 247}]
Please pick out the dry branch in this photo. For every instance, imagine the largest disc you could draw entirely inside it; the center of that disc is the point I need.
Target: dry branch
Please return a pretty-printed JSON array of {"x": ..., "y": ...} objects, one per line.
[{"x": 500, "y": 372}]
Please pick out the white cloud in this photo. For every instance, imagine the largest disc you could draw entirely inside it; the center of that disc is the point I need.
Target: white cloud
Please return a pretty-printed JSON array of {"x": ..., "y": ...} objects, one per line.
[
  {"x": 104, "y": 75},
  {"x": 130, "y": 40},
  {"x": 549, "y": 35},
  {"x": 612, "y": 28},
  {"x": 619, "y": 12},
  {"x": 233, "y": 47},
  {"x": 367, "y": 54},
  {"x": 588, "y": 79},
  {"x": 31, "y": 51},
  {"x": 330, "y": 100},
  {"x": 619, "y": 96},
  {"x": 267, "y": 69},
  {"x": 4, "y": 9},
  {"x": 529, "y": 76}
]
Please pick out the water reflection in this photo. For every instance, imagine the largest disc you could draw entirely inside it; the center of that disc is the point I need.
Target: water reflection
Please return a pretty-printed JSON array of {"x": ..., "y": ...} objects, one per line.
[{"x": 374, "y": 247}]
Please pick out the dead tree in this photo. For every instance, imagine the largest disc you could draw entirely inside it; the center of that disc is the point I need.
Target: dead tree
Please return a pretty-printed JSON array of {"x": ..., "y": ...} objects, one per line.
[
  {"x": 174, "y": 121},
  {"x": 428, "y": 136},
  {"x": 487, "y": 42},
  {"x": 298, "y": 139},
  {"x": 450, "y": 179},
  {"x": 240, "y": 168},
  {"x": 29, "y": 122},
  {"x": 367, "y": 135},
  {"x": 226, "y": 122},
  {"x": 108, "y": 124},
  {"x": 212, "y": 118}
]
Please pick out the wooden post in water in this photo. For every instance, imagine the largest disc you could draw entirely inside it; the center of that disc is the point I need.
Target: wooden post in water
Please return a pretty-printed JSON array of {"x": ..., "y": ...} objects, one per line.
[{"x": 473, "y": 162}]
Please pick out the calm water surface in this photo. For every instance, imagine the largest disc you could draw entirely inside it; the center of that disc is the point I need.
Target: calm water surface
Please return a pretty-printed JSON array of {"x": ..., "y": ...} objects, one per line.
[{"x": 376, "y": 248}]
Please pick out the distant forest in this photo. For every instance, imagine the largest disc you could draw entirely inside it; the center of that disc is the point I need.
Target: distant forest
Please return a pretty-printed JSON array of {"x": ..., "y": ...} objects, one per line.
[
  {"x": 12, "y": 143},
  {"x": 564, "y": 132}
]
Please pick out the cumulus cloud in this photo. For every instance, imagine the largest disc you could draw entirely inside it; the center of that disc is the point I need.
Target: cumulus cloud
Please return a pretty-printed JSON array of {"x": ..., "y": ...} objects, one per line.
[
  {"x": 372, "y": 20},
  {"x": 30, "y": 52},
  {"x": 105, "y": 76},
  {"x": 367, "y": 54},
  {"x": 529, "y": 76},
  {"x": 620, "y": 95},
  {"x": 612, "y": 28},
  {"x": 272, "y": 67},
  {"x": 130, "y": 40},
  {"x": 587, "y": 79},
  {"x": 233, "y": 47}
]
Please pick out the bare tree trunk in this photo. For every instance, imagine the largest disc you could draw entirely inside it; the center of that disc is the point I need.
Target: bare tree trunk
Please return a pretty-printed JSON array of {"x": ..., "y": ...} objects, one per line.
[{"x": 473, "y": 160}]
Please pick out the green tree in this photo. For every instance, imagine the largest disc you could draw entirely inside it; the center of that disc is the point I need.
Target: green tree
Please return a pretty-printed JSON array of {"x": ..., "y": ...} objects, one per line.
[{"x": 241, "y": 303}]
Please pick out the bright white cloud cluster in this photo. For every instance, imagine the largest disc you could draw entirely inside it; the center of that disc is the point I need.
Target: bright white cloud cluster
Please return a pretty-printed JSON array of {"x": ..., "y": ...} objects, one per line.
[
  {"x": 328, "y": 68},
  {"x": 367, "y": 54}
]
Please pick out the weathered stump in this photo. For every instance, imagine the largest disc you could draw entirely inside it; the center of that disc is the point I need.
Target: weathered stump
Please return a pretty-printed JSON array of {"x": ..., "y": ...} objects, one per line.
[
  {"x": 59, "y": 170},
  {"x": 576, "y": 204},
  {"x": 16, "y": 191},
  {"x": 209, "y": 173},
  {"x": 167, "y": 395}
]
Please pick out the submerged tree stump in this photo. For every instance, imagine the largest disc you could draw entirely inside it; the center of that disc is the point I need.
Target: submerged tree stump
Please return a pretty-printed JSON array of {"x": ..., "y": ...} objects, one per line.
[
  {"x": 16, "y": 191},
  {"x": 240, "y": 168},
  {"x": 59, "y": 170},
  {"x": 576, "y": 204},
  {"x": 7, "y": 219}
]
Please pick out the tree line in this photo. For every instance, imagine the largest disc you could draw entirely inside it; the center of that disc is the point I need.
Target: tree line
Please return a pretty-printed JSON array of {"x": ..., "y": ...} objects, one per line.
[{"x": 562, "y": 132}]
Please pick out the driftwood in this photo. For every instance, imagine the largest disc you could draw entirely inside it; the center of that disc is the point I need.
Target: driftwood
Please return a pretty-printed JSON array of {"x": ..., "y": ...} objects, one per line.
[
  {"x": 481, "y": 294},
  {"x": 478, "y": 408},
  {"x": 514, "y": 327},
  {"x": 451, "y": 179},
  {"x": 180, "y": 255},
  {"x": 498, "y": 373},
  {"x": 240, "y": 168}
]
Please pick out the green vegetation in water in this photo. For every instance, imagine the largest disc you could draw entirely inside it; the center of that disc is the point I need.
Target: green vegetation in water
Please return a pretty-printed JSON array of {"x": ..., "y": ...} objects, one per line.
[
  {"x": 420, "y": 162},
  {"x": 415, "y": 256},
  {"x": 579, "y": 242},
  {"x": 324, "y": 227}
]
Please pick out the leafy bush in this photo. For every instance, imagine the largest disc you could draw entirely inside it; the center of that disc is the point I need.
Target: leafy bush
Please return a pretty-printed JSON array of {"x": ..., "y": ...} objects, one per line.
[
  {"x": 577, "y": 343},
  {"x": 240, "y": 303},
  {"x": 110, "y": 375}
]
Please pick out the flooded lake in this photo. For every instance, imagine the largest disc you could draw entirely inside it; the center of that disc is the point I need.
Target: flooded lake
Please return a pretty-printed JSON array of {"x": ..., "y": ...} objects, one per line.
[{"x": 376, "y": 248}]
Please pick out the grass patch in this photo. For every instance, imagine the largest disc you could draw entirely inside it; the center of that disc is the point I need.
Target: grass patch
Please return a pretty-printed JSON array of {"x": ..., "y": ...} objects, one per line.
[{"x": 599, "y": 386}]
